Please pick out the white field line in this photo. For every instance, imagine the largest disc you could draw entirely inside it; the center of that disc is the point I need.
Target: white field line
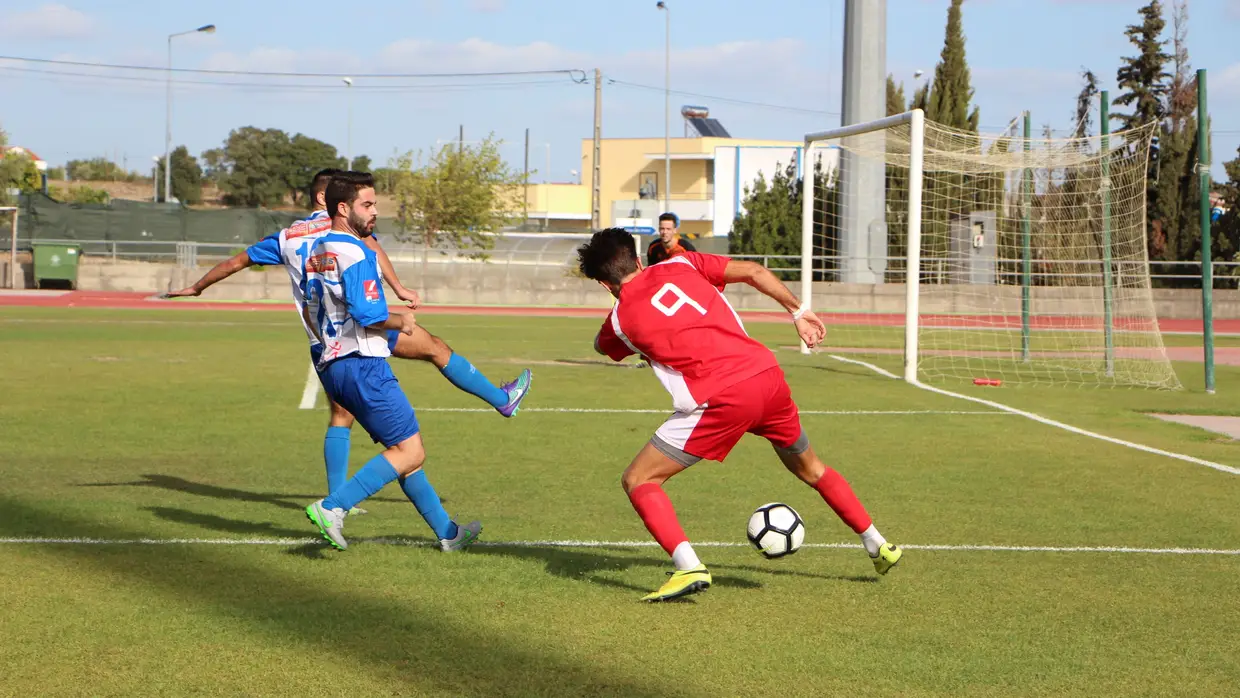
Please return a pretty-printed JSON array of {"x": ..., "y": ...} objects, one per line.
[
  {"x": 411, "y": 542},
  {"x": 603, "y": 410},
  {"x": 1050, "y": 422}
]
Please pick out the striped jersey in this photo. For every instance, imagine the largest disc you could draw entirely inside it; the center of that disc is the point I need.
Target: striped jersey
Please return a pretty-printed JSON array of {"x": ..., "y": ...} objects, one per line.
[
  {"x": 344, "y": 297},
  {"x": 290, "y": 248}
]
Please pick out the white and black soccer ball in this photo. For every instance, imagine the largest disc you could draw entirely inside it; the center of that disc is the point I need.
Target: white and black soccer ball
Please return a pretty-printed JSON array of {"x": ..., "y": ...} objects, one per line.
[{"x": 776, "y": 530}]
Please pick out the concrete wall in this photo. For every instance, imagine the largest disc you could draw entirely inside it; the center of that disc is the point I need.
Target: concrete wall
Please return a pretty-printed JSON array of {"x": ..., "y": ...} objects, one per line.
[{"x": 498, "y": 284}]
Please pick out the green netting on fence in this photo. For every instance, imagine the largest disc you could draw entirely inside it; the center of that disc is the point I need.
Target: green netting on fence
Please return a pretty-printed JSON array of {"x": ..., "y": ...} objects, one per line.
[{"x": 43, "y": 218}]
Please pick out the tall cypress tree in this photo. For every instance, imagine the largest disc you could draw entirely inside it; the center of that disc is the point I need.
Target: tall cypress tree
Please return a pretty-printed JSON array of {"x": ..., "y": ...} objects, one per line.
[
  {"x": 1176, "y": 191},
  {"x": 950, "y": 97},
  {"x": 947, "y": 102},
  {"x": 1143, "y": 81}
]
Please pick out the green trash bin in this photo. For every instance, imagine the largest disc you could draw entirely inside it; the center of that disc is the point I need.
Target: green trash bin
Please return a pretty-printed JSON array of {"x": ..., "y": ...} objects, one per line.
[{"x": 57, "y": 263}]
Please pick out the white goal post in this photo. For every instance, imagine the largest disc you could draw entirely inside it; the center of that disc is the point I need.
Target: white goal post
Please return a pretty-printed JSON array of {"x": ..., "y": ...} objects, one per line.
[
  {"x": 916, "y": 121},
  {"x": 991, "y": 258}
]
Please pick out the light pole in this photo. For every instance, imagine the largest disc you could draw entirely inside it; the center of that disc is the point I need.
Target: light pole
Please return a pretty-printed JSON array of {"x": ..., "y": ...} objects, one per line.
[
  {"x": 667, "y": 107},
  {"x": 349, "y": 138},
  {"x": 206, "y": 29}
]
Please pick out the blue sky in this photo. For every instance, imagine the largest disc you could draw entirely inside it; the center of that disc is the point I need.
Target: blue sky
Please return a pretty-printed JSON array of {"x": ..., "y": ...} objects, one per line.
[{"x": 1024, "y": 54}]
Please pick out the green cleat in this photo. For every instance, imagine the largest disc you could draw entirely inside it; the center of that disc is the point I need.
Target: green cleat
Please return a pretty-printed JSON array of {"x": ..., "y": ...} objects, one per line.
[
  {"x": 330, "y": 523},
  {"x": 466, "y": 536},
  {"x": 887, "y": 557},
  {"x": 681, "y": 583}
]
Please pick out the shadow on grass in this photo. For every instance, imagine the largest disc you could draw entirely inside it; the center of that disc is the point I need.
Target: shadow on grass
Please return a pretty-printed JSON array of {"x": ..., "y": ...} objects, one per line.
[
  {"x": 202, "y": 489},
  {"x": 592, "y": 567},
  {"x": 408, "y": 646}
]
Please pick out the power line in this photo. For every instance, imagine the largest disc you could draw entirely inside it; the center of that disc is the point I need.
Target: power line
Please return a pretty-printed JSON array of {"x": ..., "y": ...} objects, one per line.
[
  {"x": 432, "y": 87},
  {"x": 716, "y": 98},
  {"x": 576, "y": 74}
]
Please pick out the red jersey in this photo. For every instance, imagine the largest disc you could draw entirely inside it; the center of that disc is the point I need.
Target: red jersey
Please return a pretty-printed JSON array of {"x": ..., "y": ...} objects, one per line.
[{"x": 674, "y": 314}]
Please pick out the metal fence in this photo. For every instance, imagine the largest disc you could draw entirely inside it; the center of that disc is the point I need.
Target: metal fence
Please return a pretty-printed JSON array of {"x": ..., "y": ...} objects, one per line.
[{"x": 546, "y": 252}]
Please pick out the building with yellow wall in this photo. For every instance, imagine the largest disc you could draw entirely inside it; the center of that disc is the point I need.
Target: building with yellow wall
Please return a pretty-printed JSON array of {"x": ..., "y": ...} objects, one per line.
[{"x": 708, "y": 178}]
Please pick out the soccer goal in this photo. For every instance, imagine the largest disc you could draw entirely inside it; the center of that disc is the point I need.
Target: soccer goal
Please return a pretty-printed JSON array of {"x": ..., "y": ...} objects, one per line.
[{"x": 983, "y": 257}]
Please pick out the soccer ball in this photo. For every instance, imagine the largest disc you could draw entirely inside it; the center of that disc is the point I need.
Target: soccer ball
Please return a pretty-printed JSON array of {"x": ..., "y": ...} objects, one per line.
[{"x": 776, "y": 530}]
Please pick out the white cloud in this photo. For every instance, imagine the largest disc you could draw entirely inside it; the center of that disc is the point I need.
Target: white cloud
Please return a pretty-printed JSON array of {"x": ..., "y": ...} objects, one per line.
[{"x": 51, "y": 21}]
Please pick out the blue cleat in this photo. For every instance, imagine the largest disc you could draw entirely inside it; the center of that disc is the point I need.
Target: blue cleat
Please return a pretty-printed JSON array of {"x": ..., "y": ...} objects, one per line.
[{"x": 517, "y": 390}]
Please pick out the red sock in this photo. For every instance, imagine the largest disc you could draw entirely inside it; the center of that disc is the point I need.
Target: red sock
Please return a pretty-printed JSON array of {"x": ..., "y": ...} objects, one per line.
[
  {"x": 839, "y": 496},
  {"x": 656, "y": 511}
]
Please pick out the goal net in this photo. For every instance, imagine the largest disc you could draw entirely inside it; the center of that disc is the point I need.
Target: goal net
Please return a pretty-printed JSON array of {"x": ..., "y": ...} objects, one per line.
[{"x": 974, "y": 256}]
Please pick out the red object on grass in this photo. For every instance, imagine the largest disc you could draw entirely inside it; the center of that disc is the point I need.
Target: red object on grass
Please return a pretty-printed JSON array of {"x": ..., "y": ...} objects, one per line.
[{"x": 987, "y": 381}]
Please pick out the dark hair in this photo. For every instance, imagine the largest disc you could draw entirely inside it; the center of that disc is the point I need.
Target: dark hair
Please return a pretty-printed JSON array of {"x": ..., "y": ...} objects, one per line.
[
  {"x": 319, "y": 182},
  {"x": 669, "y": 216},
  {"x": 609, "y": 256},
  {"x": 343, "y": 188}
]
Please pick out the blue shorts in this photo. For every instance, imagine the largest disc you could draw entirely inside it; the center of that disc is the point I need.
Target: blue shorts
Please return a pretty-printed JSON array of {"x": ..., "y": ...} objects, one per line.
[
  {"x": 316, "y": 350},
  {"x": 365, "y": 386}
]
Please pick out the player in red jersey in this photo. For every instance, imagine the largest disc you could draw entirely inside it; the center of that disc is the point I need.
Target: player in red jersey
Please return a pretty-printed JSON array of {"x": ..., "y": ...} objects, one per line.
[{"x": 724, "y": 384}]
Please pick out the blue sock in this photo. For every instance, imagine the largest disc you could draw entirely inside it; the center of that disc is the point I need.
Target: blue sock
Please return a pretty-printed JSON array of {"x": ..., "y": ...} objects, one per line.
[
  {"x": 336, "y": 456},
  {"x": 419, "y": 491},
  {"x": 373, "y": 476},
  {"x": 463, "y": 375}
]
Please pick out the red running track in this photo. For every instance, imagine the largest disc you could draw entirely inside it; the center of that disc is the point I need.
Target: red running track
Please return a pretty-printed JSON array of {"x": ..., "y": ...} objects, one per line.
[{"x": 146, "y": 301}]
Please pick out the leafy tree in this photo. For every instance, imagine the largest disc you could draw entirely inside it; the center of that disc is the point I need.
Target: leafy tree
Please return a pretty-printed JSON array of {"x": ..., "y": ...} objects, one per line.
[
  {"x": 385, "y": 179},
  {"x": 186, "y": 177},
  {"x": 458, "y": 198},
  {"x": 214, "y": 166},
  {"x": 361, "y": 163},
  {"x": 1226, "y": 232},
  {"x": 56, "y": 173},
  {"x": 770, "y": 220},
  {"x": 255, "y": 169},
  {"x": 80, "y": 194},
  {"x": 97, "y": 170},
  {"x": 17, "y": 171},
  {"x": 266, "y": 167}
]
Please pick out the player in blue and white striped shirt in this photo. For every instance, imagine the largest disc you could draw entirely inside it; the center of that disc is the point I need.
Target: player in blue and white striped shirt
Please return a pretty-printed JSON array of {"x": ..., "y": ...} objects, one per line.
[
  {"x": 290, "y": 248},
  {"x": 348, "y": 313}
]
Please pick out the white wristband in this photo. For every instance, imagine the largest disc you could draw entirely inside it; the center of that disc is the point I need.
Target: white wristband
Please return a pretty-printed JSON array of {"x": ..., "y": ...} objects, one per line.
[{"x": 800, "y": 312}]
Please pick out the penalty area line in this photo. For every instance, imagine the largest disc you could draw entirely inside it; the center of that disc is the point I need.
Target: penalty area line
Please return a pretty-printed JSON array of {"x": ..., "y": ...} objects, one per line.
[
  {"x": 415, "y": 542},
  {"x": 1049, "y": 422}
]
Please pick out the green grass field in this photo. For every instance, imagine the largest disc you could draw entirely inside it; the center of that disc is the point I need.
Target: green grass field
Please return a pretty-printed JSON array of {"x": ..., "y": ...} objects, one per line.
[{"x": 143, "y": 427}]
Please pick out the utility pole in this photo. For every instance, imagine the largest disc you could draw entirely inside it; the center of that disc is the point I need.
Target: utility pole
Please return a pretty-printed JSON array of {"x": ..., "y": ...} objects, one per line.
[
  {"x": 596, "y": 217},
  {"x": 526, "y": 179}
]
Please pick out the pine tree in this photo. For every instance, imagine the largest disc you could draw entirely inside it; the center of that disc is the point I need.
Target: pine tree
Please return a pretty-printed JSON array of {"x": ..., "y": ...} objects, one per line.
[
  {"x": 1143, "y": 80},
  {"x": 947, "y": 102},
  {"x": 950, "y": 97},
  {"x": 1177, "y": 192},
  {"x": 895, "y": 97},
  {"x": 1144, "y": 76}
]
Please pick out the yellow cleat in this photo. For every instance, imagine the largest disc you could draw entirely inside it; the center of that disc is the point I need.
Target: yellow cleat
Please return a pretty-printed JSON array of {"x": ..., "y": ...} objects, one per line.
[
  {"x": 681, "y": 583},
  {"x": 888, "y": 556}
]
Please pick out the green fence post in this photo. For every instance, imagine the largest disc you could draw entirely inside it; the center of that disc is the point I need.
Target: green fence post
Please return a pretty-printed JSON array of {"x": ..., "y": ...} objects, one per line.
[
  {"x": 1207, "y": 256},
  {"x": 1108, "y": 319},
  {"x": 1026, "y": 227}
]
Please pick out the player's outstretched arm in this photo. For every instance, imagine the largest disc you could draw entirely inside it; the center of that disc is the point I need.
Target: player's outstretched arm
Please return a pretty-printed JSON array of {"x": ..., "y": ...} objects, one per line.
[
  {"x": 809, "y": 327},
  {"x": 216, "y": 274},
  {"x": 389, "y": 272}
]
